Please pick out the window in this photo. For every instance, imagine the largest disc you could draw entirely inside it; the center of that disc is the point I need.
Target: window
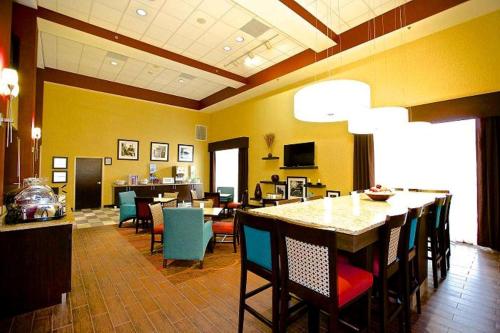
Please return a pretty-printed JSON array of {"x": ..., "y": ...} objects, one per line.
[
  {"x": 441, "y": 156},
  {"x": 226, "y": 170}
]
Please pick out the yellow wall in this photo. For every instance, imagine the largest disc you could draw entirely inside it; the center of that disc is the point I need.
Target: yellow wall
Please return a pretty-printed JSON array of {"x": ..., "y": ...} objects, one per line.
[
  {"x": 82, "y": 123},
  {"x": 456, "y": 62}
]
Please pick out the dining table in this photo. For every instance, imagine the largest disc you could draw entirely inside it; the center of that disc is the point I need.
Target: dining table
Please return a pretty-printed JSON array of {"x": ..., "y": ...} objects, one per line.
[
  {"x": 212, "y": 212},
  {"x": 355, "y": 218}
]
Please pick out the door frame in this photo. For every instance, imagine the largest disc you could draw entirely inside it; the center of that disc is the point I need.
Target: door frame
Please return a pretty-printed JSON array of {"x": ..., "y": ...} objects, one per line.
[{"x": 74, "y": 179}]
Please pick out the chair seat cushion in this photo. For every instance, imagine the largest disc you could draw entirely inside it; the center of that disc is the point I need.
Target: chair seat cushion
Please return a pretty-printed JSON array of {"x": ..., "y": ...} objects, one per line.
[
  {"x": 234, "y": 205},
  {"x": 352, "y": 282},
  {"x": 223, "y": 227},
  {"x": 158, "y": 229}
]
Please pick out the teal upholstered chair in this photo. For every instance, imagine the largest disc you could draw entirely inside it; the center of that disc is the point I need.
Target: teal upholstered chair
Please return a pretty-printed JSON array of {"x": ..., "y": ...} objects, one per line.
[
  {"x": 127, "y": 206},
  {"x": 186, "y": 234},
  {"x": 226, "y": 190}
]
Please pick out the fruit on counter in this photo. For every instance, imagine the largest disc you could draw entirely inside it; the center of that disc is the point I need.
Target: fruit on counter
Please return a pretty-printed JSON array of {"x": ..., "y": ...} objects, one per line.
[{"x": 379, "y": 188}]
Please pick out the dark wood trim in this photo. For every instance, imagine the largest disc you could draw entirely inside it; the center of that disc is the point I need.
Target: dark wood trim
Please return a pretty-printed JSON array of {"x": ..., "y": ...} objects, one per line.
[
  {"x": 413, "y": 11},
  {"x": 91, "y": 83},
  {"x": 311, "y": 19},
  {"x": 478, "y": 106},
  {"x": 241, "y": 142},
  {"x": 137, "y": 44}
]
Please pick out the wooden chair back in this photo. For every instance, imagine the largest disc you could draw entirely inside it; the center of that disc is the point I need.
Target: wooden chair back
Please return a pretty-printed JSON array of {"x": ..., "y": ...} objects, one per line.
[
  {"x": 390, "y": 243},
  {"x": 173, "y": 195},
  {"x": 308, "y": 260},
  {"x": 142, "y": 208},
  {"x": 316, "y": 197},
  {"x": 287, "y": 201},
  {"x": 214, "y": 196},
  {"x": 438, "y": 212},
  {"x": 207, "y": 203},
  {"x": 156, "y": 211},
  {"x": 194, "y": 195},
  {"x": 171, "y": 204}
]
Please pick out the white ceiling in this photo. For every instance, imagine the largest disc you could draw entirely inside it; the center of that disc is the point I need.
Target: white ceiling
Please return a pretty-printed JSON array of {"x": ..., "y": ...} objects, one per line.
[
  {"x": 76, "y": 57},
  {"x": 174, "y": 25},
  {"x": 342, "y": 15}
]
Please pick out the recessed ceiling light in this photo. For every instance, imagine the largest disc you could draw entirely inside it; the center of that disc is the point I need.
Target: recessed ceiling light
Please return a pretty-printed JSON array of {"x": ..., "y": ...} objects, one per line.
[
  {"x": 181, "y": 81},
  {"x": 150, "y": 72},
  {"x": 114, "y": 63},
  {"x": 240, "y": 39},
  {"x": 201, "y": 20},
  {"x": 141, "y": 12},
  {"x": 227, "y": 48}
]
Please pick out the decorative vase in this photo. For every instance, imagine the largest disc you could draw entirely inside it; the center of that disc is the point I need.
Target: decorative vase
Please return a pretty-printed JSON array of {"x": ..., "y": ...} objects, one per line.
[
  {"x": 269, "y": 155},
  {"x": 258, "y": 192},
  {"x": 275, "y": 178}
]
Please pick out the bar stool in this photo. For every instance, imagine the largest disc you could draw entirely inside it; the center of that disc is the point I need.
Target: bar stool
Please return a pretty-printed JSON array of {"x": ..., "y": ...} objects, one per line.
[
  {"x": 435, "y": 240},
  {"x": 409, "y": 259},
  {"x": 447, "y": 245},
  {"x": 386, "y": 265},
  {"x": 310, "y": 270}
]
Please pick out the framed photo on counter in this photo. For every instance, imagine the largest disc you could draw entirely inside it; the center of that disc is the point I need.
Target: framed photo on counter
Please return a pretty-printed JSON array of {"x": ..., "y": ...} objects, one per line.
[
  {"x": 159, "y": 152},
  {"x": 296, "y": 187},
  {"x": 185, "y": 153},
  {"x": 332, "y": 194},
  {"x": 128, "y": 150},
  {"x": 59, "y": 162},
  {"x": 108, "y": 161}
]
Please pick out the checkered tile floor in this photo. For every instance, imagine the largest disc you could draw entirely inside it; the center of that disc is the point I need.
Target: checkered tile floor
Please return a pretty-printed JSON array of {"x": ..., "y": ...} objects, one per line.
[{"x": 88, "y": 218}]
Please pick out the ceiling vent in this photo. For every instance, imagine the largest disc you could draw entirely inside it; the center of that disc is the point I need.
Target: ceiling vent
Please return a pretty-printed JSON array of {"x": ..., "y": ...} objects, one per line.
[
  {"x": 116, "y": 56},
  {"x": 200, "y": 132},
  {"x": 185, "y": 76},
  {"x": 254, "y": 28}
]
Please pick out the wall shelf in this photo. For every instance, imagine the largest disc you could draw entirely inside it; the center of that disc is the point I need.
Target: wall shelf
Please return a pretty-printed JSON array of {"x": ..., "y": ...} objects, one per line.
[
  {"x": 301, "y": 167},
  {"x": 271, "y": 182},
  {"x": 315, "y": 185},
  {"x": 267, "y": 158}
]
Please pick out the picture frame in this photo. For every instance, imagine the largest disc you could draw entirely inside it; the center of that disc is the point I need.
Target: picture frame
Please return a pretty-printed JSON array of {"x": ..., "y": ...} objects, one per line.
[
  {"x": 280, "y": 189},
  {"x": 159, "y": 151},
  {"x": 59, "y": 177},
  {"x": 128, "y": 150},
  {"x": 332, "y": 194},
  {"x": 296, "y": 187},
  {"x": 185, "y": 153},
  {"x": 108, "y": 161},
  {"x": 59, "y": 162}
]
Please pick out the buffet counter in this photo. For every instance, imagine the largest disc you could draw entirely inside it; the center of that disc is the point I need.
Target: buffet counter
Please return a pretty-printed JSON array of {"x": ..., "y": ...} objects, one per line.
[
  {"x": 152, "y": 190},
  {"x": 35, "y": 264}
]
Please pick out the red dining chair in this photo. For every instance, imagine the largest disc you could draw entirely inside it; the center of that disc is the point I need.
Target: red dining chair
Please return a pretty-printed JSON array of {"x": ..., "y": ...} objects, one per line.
[
  {"x": 310, "y": 270},
  {"x": 142, "y": 212},
  {"x": 226, "y": 229}
]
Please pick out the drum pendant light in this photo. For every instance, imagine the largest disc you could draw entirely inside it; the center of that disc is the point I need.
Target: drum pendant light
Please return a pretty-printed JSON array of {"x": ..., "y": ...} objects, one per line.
[{"x": 331, "y": 101}]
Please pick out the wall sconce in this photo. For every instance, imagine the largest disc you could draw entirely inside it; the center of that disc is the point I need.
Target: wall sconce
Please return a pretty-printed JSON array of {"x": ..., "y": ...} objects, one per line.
[
  {"x": 36, "y": 134},
  {"x": 9, "y": 86}
]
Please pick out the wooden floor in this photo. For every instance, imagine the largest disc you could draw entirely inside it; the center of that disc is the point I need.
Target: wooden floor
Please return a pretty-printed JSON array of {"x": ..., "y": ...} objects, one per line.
[{"x": 116, "y": 289}]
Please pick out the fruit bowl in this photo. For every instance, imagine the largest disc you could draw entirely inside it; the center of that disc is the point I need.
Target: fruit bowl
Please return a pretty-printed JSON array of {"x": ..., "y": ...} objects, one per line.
[{"x": 379, "y": 196}]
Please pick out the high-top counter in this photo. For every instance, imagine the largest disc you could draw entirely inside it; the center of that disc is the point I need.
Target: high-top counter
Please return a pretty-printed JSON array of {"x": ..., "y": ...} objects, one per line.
[{"x": 35, "y": 264}]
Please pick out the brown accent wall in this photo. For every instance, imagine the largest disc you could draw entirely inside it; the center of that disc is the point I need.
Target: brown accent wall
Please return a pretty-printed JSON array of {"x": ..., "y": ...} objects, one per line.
[
  {"x": 24, "y": 26},
  {"x": 5, "y": 26},
  {"x": 478, "y": 106}
]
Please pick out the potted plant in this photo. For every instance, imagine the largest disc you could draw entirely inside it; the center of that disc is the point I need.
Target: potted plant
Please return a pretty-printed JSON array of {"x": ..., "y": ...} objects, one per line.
[{"x": 269, "y": 139}]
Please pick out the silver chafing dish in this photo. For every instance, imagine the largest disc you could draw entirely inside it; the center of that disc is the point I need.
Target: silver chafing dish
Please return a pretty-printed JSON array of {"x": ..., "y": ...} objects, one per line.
[{"x": 34, "y": 202}]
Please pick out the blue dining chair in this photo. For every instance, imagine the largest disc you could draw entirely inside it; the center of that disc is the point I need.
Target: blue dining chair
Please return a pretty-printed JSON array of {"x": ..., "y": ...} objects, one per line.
[
  {"x": 127, "y": 206},
  {"x": 186, "y": 234},
  {"x": 226, "y": 190}
]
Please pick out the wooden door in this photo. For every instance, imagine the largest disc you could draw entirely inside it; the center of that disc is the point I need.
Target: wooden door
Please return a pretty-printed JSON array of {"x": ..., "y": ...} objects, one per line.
[{"x": 88, "y": 183}]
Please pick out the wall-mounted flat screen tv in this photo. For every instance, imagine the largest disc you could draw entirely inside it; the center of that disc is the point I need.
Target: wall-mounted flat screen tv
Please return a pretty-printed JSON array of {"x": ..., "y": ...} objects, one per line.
[{"x": 299, "y": 154}]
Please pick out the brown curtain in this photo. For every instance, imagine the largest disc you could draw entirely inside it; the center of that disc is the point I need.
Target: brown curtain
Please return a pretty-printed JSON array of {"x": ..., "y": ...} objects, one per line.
[
  {"x": 243, "y": 171},
  {"x": 488, "y": 181},
  {"x": 364, "y": 170}
]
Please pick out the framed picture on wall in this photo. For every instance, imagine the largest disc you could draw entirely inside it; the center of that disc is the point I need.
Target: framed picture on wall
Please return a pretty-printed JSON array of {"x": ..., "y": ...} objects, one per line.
[
  {"x": 159, "y": 151},
  {"x": 332, "y": 194},
  {"x": 296, "y": 187},
  {"x": 280, "y": 189},
  {"x": 108, "y": 161},
  {"x": 128, "y": 150},
  {"x": 59, "y": 162},
  {"x": 185, "y": 153},
  {"x": 59, "y": 177}
]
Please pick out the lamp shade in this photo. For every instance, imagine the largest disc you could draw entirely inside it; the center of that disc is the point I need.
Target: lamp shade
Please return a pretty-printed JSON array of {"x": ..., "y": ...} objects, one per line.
[
  {"x": 331, "y": 101},
  {"x": 9, "y": 76},
  {"x": 369, "y": 121},
  {"x": 361, "y": 122}
]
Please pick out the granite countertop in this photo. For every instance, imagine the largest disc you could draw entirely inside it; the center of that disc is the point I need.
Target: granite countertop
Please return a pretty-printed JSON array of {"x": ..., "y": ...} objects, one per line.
[
  {"x": 345, "y": 214},
  {"x": 66, "y": 220}
]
